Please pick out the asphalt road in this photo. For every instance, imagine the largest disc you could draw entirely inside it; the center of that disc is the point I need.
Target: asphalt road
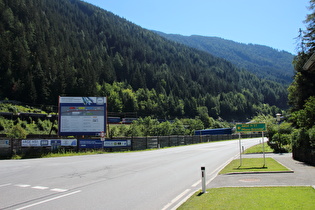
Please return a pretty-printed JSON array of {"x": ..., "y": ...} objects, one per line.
[{"x": 158, "y": 179}]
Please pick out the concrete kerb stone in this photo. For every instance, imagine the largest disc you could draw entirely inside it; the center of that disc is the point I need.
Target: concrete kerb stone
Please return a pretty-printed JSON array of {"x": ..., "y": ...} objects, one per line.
[{"x": 259, "y": 172}]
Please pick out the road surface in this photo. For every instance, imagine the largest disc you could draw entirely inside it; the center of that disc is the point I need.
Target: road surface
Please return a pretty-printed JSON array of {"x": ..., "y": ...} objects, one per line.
[{"x": 157, "y": 179}]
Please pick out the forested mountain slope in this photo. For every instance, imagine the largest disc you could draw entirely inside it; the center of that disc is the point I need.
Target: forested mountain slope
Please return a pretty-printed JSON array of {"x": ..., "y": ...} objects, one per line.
[
  {"x": 261, "y": 60},
  {"x": 71, "y": 48}
]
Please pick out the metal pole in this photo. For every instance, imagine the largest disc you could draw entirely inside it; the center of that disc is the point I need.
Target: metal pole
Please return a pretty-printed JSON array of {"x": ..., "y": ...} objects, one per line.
[
  {"x": 263, "y": 149},
  {"x": 203, "y": 179},
  {"x": 239, "y": 137}
]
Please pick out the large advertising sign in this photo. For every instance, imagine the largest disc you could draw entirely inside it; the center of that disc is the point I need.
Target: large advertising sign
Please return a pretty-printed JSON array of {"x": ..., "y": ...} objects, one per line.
[{"x": 82, "y": 116}]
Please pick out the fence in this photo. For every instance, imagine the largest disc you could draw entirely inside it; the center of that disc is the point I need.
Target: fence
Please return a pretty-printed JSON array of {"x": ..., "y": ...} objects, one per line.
[{"x": 9, "y": 147}]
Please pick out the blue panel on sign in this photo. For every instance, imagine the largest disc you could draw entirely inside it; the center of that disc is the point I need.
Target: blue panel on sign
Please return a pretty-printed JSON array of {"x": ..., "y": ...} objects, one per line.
[
  {"x": 91, "y": 143},
  {"x": 44, "y": 143},
  {"x": 55, "y": 142},
  {"x": 117, "y": 143}
]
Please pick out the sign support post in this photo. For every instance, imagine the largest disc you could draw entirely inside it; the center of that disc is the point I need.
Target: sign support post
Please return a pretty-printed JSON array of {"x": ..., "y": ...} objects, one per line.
[
  {"x": 251, "y": 127},
  {"x": 240, "y": 143},
  {"x": 263, "y": 149}
]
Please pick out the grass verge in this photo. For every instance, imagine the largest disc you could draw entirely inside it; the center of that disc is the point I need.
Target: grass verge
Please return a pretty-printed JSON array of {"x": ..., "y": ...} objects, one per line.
[
  {"x": 253, "y": 165},
  {"x": 253, "y": 198},
  {"x": 258, "y": 149}
]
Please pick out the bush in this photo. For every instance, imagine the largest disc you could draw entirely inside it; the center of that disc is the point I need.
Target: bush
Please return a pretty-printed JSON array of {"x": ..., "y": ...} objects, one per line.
[
  {"x": 299, "y": 135},
  {"x": 17, "y": 132},
  {"x": 311, "y": 134}
]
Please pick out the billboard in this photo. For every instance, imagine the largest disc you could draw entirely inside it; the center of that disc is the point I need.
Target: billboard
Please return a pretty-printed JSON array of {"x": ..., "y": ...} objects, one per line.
[{"x": 82, "y": 116}]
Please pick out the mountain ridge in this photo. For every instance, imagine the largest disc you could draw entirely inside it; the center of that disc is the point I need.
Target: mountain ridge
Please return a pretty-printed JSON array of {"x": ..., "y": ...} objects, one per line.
[
  {"x": 258, "y": 59},
  {"x": 72, "y": 48}
]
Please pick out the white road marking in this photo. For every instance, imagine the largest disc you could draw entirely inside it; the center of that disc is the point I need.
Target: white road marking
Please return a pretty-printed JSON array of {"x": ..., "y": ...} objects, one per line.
[
  {"x": 4, "y": 185},
  {"x": 212, "y": 175},
  {"x": 184, "y": 199},
  {"x": 58, "y": 190},
  {"x": 197, "y": 183},
  {"x": 48, "y": 200},
  {"x": 40, "y": 187},
  {"x": 37, "y": 187},
  {"x": 176, "y": 199},
  {"x": 22, "y": 185}
]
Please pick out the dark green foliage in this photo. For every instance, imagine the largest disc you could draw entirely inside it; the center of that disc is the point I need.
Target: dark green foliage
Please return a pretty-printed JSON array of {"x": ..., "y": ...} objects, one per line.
[
  {"x": 152, "y": 127},
  {"x": 280, "y": 136},
  {"x": 261, "y": 60},
  {"x": 150, "y": 103},
  {"x": 68, "y": 47},
  {"x": 302, "y": 95}
]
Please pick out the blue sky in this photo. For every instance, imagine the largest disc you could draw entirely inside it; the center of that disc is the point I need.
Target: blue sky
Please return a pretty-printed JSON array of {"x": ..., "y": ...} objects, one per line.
[{"x": 273, "y": 23}]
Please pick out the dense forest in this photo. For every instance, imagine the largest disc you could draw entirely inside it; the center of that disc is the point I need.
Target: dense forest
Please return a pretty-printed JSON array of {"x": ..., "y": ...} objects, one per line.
[
  {"x": 261, "y": 60},
  {"x": 71, "y": 48}
]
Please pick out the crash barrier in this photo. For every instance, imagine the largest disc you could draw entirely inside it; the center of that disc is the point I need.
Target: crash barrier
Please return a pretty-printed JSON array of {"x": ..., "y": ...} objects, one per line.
[{"x": 36, "y": 146}]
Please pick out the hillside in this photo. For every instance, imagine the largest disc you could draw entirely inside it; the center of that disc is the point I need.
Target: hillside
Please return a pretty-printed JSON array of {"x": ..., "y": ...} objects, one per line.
[
  {"x": 263, "y": 61},
  {"x": 71, "y": 48}
]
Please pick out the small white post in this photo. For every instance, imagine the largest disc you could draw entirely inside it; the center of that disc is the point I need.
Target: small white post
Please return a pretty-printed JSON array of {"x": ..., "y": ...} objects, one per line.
[{"x": 203, "y": 179}]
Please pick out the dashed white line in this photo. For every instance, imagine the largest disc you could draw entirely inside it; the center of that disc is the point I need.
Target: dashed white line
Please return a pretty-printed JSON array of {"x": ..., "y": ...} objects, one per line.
[
  {"x": 40, "y": 187},
  {"x": 37, "y": 187},
  {"x": 58, "y": 190},
  {"x": 22, "y": 185},
  {"x": 4, "y": 185},
  {"x": 45, "y": 201}
]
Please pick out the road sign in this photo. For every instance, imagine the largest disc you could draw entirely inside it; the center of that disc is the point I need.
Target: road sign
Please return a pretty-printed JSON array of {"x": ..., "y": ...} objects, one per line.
[
  {"x": 102, "y": 136},
  {"x": 251, "y": 127}
]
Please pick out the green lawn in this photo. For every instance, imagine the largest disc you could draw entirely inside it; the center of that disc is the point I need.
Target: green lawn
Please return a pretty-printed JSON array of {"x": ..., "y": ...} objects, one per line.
[
  {"x": 258, "y": 148},
  {"x": 253, "y": 165},
  {"x": 253, "y": 198}
]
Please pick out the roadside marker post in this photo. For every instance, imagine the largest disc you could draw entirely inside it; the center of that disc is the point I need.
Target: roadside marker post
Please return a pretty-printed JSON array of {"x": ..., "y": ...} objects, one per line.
[{"x": 203, "y": 179}]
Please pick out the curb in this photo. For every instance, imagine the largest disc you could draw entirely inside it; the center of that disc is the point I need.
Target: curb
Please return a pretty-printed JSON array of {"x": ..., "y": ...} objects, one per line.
[{"x": 259, "y": 172}]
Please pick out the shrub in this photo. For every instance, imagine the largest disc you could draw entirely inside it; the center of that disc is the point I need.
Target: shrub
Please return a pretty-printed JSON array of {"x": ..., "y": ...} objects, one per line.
[
  {"x": 311, "y": 134},
  {"x": 17, "y": 132}
]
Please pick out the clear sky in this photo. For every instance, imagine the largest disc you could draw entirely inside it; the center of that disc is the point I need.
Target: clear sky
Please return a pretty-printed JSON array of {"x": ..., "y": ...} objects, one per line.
[{"x": 273, "y": 23}]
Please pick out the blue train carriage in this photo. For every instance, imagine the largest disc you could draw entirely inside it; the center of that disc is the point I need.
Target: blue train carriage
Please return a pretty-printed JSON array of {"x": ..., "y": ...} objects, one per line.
[
  {"x": 113, "y": 120},
  {"x": 217, "y": 131},
  {"x": 128, "y": 120}
]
